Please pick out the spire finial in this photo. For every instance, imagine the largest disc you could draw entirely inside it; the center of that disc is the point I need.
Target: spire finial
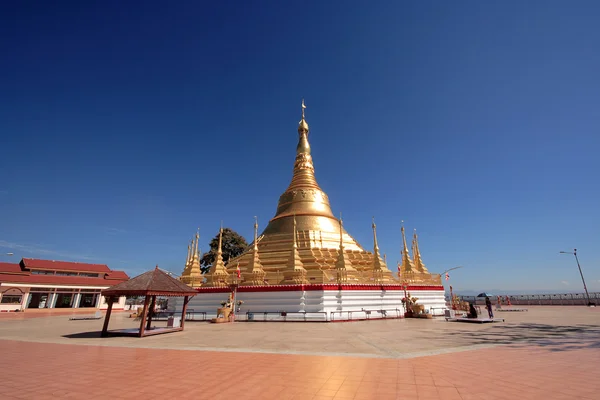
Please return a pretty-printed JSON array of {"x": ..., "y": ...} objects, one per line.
[
  {"x": 375, "y": 245},
  {"x": 220, "y": 248},
  {"x": 303, "y": 130},
  {"x": 255, "y": 232},
  {"x": 303, "y": 108}
]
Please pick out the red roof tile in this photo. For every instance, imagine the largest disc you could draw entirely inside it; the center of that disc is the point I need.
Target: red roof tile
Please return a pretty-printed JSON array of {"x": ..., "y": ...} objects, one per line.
[
  {"x": 33, "y": 263},
  {"x": 117, "y": 275},
  {"x": 10, "y": 268},
  {"x": 57, "y": 280}
]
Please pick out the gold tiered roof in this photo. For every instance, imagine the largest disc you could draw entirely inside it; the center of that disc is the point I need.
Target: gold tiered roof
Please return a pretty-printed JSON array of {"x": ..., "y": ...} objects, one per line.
[{"x": 304, "y": 242}]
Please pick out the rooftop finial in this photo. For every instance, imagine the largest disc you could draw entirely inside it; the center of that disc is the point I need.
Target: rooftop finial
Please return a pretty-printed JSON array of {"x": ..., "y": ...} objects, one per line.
[
  {"x": 303, "y": 108},
  {"x": 255, "y": 232},
  {"x": 375, "y": 245},
  {"x": 302, "y": 125}
]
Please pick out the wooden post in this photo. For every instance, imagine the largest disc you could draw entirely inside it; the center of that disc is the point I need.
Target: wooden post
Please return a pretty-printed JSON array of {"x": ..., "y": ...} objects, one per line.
[
  {"x": 185, "y": 303},
  {"x": 150, "y": 312},
  {"x": 142, "y": 324},
  {"x": 107, "y": 317}
]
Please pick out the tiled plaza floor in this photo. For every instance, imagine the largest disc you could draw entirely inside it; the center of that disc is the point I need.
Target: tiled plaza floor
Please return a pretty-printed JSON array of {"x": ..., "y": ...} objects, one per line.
[{"x": 547, "y": 359}]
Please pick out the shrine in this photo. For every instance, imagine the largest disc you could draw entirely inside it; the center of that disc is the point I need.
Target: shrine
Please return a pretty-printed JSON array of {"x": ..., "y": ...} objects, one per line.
[{"x": 305, "y": 261}]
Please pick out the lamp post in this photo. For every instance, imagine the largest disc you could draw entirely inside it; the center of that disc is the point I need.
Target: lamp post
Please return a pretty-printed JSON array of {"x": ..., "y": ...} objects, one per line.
[{"x": 574, "y": 252}]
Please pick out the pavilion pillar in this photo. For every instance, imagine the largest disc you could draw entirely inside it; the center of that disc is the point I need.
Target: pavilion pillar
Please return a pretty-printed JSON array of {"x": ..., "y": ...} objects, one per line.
[
  {"x": 144, "y": 313},
  {"x": 186, "y": 300},
  {"x": 150, "y": 312},
  {"x": 107, "y": 317}
]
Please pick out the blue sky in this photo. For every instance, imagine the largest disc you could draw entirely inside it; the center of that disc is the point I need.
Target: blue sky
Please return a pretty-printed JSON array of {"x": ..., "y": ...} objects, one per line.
[{"x": 126, "y": 127}]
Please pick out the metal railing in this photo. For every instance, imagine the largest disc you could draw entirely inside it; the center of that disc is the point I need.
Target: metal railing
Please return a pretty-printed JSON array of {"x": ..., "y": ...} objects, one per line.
[
  {"x": 190, "y": 315},
  {"x": 568, "y": 299},
  {"x": 284, "y": 316},
  {"x": 367, "y": 314}
]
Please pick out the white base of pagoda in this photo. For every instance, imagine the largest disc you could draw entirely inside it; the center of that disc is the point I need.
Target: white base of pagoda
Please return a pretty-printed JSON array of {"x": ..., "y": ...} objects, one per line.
[{"x": 310, "y": 303}]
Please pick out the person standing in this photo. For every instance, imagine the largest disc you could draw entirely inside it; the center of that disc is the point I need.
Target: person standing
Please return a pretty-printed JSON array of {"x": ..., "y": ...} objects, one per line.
[{"x": 488, "y": 305}]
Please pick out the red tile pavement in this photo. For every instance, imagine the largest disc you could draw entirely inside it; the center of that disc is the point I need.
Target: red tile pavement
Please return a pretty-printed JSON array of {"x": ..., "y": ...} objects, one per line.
[{"x": 43, "y": 371}]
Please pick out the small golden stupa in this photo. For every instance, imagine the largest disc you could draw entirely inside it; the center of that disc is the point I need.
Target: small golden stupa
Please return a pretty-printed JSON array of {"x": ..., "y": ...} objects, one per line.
[{"x": 304, "y": 243}]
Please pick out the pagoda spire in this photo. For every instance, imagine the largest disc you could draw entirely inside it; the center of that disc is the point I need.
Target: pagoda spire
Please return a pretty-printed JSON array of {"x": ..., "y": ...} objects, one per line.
[
  {"x": 345, "y": 271},
  {"x": 195, "y": 274},
  {"x": 417, "y": 260},
  {"x": 189, "y": 254},
  {"x": 255, "y": 274},
  {"x": 217, "y": 275},
  {"x": 380, "y": 270},
  {"x": 304, "y": 170},
  {"x": 295, "y": 273},
  {"x": 407, "y": 264},
  {"x": 188, "y": 260}
]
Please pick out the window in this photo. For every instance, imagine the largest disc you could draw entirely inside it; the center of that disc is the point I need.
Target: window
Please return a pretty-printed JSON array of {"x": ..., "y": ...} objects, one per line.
[
  {"x": 115, "y": 301},
  {"x": 11, "y": 299},
  {"x": 37, "y": 272},
  {"x": 60, "y": 273},
  {"x": 88, "y": 275}
]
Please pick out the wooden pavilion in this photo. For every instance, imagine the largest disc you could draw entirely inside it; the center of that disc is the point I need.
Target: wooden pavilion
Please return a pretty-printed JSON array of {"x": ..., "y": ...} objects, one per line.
[{"x": 149, "y": 284}]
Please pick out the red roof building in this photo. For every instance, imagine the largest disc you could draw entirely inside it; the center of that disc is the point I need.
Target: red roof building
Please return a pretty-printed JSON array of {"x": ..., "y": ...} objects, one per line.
[{"x": 34, "y": 283}]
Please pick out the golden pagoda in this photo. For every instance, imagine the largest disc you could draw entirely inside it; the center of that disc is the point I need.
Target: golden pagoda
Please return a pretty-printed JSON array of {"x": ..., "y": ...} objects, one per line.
[
  {"x": 413, "y": 271},
  {"x": 304, "y": 219},
  {"x": 217, "y": 275},
  {"x": 192, "y": 275},
  {"x": 417, "y": 260},
  {"x": 406, "y": 266},
  {"x": 381, "y": 272},
  {"x": 254, "y": 275},
  {"x": 304, "y": 243}
]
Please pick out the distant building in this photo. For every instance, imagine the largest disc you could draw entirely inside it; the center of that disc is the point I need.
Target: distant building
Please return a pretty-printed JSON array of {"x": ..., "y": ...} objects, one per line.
[{"x": 36, "y": 283}]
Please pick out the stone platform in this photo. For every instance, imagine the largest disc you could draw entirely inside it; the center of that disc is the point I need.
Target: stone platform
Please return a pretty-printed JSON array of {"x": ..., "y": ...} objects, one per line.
[{"x": 327, "y": 302}]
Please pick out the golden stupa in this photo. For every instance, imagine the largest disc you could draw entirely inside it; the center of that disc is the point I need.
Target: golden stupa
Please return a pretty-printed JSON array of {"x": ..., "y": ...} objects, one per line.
[{"x": 304, "y": 243}]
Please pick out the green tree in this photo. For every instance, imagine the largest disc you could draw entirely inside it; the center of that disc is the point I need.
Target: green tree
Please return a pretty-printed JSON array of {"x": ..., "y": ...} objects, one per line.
[{"x": 233, "y": 245}]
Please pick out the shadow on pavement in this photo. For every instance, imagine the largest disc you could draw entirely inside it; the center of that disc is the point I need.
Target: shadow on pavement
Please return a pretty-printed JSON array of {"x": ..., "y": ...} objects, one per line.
[
  {"x": 84, "y": 335},
  {"x": 552, "y": 337}
]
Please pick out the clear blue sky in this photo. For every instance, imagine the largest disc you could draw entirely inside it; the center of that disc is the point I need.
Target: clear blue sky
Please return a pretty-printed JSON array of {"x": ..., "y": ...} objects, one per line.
[{"x": 124, "y": 127}]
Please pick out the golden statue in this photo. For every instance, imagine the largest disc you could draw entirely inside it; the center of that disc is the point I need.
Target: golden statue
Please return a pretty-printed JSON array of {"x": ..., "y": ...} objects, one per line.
[{"x": 224, "y": 312}]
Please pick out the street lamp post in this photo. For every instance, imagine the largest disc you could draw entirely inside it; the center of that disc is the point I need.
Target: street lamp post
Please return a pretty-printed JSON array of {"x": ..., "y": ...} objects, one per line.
[{"x": 574, "y": 252}]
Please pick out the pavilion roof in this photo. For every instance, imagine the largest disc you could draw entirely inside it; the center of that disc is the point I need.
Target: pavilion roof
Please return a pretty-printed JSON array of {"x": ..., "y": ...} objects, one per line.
[{"x": 151, "y": 283}]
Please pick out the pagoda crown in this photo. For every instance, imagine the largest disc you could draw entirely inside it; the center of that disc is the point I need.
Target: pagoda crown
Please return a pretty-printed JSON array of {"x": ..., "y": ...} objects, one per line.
[{"x": 303, "y": 197}]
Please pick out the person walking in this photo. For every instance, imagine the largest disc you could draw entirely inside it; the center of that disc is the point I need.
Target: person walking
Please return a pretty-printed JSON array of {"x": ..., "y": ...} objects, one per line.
[{"x": 488, "y": 305}]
